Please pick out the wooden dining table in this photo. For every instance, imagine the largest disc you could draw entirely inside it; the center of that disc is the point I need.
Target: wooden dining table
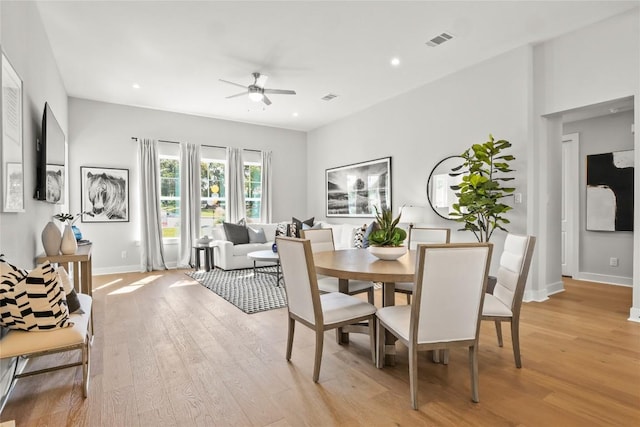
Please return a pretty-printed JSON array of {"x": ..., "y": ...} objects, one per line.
[{"x": 359, "y": 264}]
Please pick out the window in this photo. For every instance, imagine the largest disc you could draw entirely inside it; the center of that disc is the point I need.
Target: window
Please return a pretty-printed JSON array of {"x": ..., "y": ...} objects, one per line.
[
  {"x": 212, "y": 192},
  {"x": 252, "y": 190},
  {"x": 170, "y": 196}
]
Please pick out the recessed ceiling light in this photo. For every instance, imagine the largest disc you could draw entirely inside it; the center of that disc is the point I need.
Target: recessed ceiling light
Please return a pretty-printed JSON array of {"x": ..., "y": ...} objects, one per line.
[
  {"x": 135, "y": 86},
  {"x": 395, "y": 62},
  {"x": 295, "y": 114}
]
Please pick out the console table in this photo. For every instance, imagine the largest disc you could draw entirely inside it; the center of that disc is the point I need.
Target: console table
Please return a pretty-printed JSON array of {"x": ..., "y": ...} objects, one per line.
[{"x": 82, "y": 270}]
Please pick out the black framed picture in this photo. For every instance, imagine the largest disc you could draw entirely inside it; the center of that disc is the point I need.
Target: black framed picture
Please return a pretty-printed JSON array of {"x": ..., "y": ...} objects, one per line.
[
  {"x": 353, "y": 190},
  {"x": 105, "y": 194}
]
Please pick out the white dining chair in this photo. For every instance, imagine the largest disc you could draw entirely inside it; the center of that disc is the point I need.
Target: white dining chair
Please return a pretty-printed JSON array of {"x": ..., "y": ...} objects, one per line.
[
  {"x": 505, "y": 302},
  {"x": 446, "y": 307},
  {"x": 306, "y": 305},
  {"x": 322, "y": 240},
  {"x": 422, "y": 235}
]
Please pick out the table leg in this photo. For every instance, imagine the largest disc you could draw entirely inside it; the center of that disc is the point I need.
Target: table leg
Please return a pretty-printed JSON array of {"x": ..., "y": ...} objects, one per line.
[
  {"x": 85, "y": 279},
  {"x": 76, "y": 277},
  {"x": 213, "y": 258},
  {"x": 207, "y": 263},
  {"x": 197, "y": 260},
  {"x": 343, "y": 288},
  {"x": 389, "y": 299}
]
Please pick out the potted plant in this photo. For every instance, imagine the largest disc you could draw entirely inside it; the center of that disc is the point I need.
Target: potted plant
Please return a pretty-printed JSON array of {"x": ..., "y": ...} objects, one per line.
[
  {"x": 481, "y": 192},
  {"x": 386, "y": 242},
  {"x": 71, "y": 234}
]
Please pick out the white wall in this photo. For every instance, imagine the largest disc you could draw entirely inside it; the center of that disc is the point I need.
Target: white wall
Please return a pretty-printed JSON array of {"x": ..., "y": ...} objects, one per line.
[
  {"x": 602, "y": 135},
  {"x": 592, "y": 65},
  {"x": 100, "y": 135},
  {"x": 423, "y": 126}
]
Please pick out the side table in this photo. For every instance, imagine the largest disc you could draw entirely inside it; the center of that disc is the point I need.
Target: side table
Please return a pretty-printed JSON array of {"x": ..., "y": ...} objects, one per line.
[
  {"x": 209, "y": 255},
  {"x": 82, "y": 269}
]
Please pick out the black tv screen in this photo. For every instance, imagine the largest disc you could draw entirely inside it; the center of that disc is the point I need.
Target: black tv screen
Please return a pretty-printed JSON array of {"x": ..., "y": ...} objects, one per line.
[{"x": 50, "y": 159}]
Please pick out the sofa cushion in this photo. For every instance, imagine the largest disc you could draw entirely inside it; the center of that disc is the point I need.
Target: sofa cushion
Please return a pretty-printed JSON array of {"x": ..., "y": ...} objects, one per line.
[
  {"x": 370, "y": 229},
  {"x": 33, "y": 302},
  {"x": 73, "y": 303},
  {"x": 243, "y": 250},
  {"x": 256, "y": 235},
  {"x": 297, "y": 225},
  {"x": 236, "y": 234},
  {"x": 358, "y": 237}
]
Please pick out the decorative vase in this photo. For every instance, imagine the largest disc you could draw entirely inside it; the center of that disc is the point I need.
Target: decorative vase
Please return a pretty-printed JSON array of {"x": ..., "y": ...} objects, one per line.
[
  {"x": 51, "y": 239},
  {"x": 69, "y": 244},
  {"x": 274, "y": 248},
  {"x": 387, "y": 253}
]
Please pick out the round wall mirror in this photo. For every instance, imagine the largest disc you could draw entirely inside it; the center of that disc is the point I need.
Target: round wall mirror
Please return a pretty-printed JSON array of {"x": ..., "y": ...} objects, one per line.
[{"x": 439, "y": 193}]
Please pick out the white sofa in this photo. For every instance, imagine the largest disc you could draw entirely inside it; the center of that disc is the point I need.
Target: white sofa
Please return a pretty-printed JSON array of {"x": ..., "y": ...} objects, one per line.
[{"x": 233, "y": 257}]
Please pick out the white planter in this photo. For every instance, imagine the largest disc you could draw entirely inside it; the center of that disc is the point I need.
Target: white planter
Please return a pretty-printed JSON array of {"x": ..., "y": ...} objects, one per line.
[
  {"x": 51, "y": 239},
  {"x": 69, "y": 246},
  {"x": 387, "y": 253}
]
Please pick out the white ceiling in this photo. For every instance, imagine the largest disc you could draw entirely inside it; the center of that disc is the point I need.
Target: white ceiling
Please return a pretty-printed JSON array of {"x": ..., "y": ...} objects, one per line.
[{"x": 177, "y": 50}]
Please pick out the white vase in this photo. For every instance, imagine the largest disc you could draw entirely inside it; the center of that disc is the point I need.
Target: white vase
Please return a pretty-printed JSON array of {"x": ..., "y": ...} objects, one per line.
[
  {"x": 69, "y": 246},
  {"x": 387, "y": 253},
  {"x": 51, "y": 239}
]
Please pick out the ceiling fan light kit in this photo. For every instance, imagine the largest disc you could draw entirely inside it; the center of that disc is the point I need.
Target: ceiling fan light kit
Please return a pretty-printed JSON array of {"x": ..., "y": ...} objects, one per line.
[{"x": 257, "y": 91}]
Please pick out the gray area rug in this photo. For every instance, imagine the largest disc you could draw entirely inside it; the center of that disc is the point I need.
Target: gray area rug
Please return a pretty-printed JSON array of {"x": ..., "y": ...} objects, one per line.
[{"x": 241, "y": 288}]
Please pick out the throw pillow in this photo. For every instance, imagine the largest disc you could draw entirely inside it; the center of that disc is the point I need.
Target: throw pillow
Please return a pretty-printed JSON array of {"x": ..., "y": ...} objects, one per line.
[
  {"x": 242, "y": 222},
  {"x": 256, "y": 236},
  {"x": 71, "y": 297},
  {"x": 298, "y": 225},
  {"x": 282, "y": 229},
  {"x": 293, "y": 230},
  {"x": 34, "y": 302},
  {"x": 370, "y": 229},
  {"x": 313, "y": 227},
  {"x": 236, "y": 234},
  {"x": 7, "y": 269},
  {"x": 358, "y": 237}
]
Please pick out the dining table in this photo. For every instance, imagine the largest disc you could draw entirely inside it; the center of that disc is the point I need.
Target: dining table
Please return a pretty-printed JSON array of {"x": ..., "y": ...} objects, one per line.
[{"x": 359, "y": 264}]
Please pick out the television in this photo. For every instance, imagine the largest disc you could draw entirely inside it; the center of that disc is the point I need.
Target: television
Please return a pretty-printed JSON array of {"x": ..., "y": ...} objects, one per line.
[{"x": 50, "y": 160}]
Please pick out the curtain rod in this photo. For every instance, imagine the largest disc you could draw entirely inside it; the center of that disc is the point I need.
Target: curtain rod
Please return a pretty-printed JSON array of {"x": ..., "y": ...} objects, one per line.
[{"x": 202, "y": 145}]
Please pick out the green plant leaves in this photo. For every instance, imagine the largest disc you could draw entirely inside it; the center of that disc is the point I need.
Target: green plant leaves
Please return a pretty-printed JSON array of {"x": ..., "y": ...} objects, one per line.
[{"x": 388, "y": 234}]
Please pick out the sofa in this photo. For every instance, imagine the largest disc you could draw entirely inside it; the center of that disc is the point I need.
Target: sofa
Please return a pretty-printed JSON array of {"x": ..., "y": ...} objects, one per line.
[{"x": 233, "y": 257}]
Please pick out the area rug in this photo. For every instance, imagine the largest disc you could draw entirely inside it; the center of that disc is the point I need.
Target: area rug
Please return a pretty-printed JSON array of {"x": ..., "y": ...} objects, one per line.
[{"x": 250, "y": 293}]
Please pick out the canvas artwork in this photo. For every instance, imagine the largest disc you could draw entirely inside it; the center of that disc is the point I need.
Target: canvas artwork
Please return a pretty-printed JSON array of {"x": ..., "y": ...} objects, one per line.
[
  {"x": 610, "y": 191},
  {"x": 105, "y": 194},
  {"x": 354, "y": 190},
  {"x": 55, "y": 184},
  {"x": 14, "y": 192}
]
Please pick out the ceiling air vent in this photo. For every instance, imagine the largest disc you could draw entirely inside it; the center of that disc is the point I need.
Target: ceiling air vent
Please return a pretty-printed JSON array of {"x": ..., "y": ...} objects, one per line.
[
  {"x": 329, "y": 97},
  {"x": 438, "y": 40}
]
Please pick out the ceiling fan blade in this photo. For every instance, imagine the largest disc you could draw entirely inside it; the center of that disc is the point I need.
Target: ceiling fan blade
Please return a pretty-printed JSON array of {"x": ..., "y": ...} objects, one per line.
[
  {"x": 266, "y": 100},
  {"x": 232, "y": 83},
  {"x": 261, "y": 81},
  {"x": 280, "y": 91},
  {"x": 237, "y": 95}
]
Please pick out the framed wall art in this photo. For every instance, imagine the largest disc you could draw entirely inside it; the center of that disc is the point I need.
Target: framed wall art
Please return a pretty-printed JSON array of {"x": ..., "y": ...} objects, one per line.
[
  {"x": 11, "y": 153},
  {"x": 610, "y": 191},
  {"x": 353, "y": 190},
  {"x": 105, "y": 194}
]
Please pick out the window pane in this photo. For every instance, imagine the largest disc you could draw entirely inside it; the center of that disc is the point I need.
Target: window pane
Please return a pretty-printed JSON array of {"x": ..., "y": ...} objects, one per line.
[
  {"x": 170, "y": 196},
  {"x": 252, "y": 191},
  {"x": 170, "y": 217}
]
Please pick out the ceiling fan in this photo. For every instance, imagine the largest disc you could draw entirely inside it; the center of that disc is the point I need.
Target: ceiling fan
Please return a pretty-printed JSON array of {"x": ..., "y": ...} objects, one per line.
[{"x": 257, "y": 92}]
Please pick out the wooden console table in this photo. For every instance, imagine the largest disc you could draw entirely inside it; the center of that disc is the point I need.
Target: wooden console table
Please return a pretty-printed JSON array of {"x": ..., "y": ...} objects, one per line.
[{"x": 82, "y": 270}]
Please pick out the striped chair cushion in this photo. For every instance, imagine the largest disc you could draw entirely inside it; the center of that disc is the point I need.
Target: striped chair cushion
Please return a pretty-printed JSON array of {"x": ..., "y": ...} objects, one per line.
[{"x": 33, "y": 302}]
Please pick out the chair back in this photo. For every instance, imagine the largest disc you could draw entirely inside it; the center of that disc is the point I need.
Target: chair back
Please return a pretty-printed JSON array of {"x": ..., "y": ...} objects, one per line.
[
  {"x": 299, "y": 273},
  {"x": 321, "y": 239},
  {"x": 451, "y": 280},
  {"x": 427, "y": 235},
  {"x": 514, "y": 269}
]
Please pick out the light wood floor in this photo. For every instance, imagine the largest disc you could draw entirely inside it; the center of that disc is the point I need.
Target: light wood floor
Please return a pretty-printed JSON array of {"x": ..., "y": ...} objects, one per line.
[{"x": 167, "y": 351}]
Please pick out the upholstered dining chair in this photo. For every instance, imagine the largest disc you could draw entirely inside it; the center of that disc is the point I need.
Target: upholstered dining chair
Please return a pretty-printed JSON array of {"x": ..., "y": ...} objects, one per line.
[
  {"x": 505, "y": 302},
  {"x": 322, "y": 240},
  {"x": 446, "y": 307},
  {"x": 422, "y": 235},
  {"x": 318, "y": 312}
]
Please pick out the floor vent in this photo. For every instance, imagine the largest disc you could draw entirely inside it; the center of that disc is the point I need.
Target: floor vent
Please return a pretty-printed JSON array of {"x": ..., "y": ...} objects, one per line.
[
  {"x": 438, "y": 40},
  {"x": 329, "y": 97}
]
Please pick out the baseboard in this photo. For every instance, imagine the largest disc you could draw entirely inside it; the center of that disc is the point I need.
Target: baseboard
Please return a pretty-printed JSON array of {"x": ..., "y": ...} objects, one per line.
[
  {"x": 543, "y": 294},
  {"x": 127, "y": 269},
  {"x": 634, "y": 314},
  {"x": 555, "y": 288},
  {"x": 604, "y": 278}
]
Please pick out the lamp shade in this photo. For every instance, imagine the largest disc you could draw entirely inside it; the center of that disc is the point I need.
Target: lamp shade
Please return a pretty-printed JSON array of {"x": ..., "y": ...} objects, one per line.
[{"x": 412, "y": 214}]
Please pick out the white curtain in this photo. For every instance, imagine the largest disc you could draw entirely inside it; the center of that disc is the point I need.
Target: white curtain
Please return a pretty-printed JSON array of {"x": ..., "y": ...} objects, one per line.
[
  {"x": 235, "y": 185},
  {"x": 265, "y": 180},
  {"x": 152, "y": 256},
  {"x": 189, "y": 201}
]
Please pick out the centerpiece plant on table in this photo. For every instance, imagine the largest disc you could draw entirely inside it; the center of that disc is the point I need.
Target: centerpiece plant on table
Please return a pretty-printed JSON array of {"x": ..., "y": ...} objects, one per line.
[{"x": 386, "y": 242}]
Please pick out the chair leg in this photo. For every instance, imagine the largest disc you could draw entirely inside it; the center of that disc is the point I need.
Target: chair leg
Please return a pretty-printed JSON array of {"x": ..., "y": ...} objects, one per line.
[
  {"x": 445, "y": 356},
  {"x": 435, "y": 356},
  {"x": 413, "y": 375},
  {"x": 515, "y": 338},
  {"x": 372, "y": 337},
  {"x": 408, "y": 299},
  {"x": 370, "y": 296},
  {"x": 381, "y": 335},
  {"x": 318, "y": 359},
  {"x": 85, "y": 368},
  {"x": 499, "y": 332},
  {"x": 292, "y": 327},
  {"x": 473, "y": 366}
]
